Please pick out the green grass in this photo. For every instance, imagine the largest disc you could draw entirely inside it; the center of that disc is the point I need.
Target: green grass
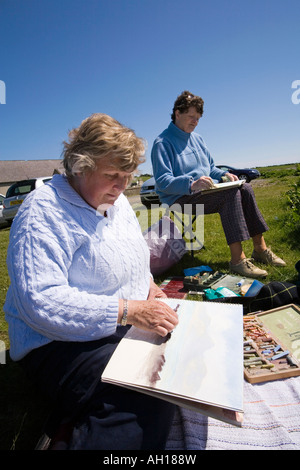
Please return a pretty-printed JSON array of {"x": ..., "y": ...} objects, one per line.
[
  {"x": 23, "y": 411},
  {"x": 271, "y": 199}
]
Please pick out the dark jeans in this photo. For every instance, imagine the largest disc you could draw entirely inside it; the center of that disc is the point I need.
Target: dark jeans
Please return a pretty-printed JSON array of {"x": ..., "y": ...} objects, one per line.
[{"x": 116, "y": 418}]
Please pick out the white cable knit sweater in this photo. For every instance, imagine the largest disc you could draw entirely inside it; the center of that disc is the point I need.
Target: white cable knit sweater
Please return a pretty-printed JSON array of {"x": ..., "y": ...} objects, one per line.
[{"x": 68, "y": 267}]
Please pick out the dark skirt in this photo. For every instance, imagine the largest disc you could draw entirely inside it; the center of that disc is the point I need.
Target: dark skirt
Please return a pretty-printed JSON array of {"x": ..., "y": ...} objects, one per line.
[{"x": 111, "y": 417}]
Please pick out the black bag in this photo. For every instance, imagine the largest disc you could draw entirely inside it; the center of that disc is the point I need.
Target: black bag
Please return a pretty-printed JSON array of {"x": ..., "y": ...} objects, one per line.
[{"x": 274, "y": 294}]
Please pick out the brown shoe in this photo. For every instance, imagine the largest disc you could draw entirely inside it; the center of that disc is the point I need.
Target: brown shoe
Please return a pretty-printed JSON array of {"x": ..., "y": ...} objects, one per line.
[
  {"x": 268, "y": 257},
  {"x": 247, "y": 269}
]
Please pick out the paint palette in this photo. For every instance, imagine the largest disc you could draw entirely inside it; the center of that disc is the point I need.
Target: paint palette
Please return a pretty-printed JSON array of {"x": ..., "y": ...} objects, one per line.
[
  {"x": 213, "y": 280},
  {"x": 268, "y": 355},
  {"x": 173, "y": 287},
  {"x": 202, "y": 280}
]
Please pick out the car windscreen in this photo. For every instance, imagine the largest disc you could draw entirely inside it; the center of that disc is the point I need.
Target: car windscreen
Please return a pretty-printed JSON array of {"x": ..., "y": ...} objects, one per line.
[{"x": 20, "y": 188}]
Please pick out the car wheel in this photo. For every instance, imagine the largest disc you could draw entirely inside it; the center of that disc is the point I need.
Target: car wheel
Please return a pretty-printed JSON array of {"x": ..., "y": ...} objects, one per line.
[{"x": 244, "y": 177}]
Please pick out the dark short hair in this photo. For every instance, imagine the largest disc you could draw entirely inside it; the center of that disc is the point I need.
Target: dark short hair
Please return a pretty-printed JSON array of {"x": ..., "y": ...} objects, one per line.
[{"x": 185, "y": 101}]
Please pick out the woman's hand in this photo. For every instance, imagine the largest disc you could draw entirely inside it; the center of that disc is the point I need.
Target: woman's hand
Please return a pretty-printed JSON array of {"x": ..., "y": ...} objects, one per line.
[
  {"x": 205, "y": 182},
  {"x": 231, "y": 177},
  {"x": 151, "y": 315},
  {"x": 155, "y": 291}
]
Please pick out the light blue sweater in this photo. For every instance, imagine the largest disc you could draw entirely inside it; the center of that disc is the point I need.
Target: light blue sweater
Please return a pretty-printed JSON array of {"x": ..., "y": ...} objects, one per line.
[
  {"x": 178, "y": 158},
  {"x": 68, "y": 267}
]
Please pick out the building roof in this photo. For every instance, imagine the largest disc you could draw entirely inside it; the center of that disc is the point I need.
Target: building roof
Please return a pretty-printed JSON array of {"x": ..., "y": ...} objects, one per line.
[{"x": 16, "y": 170}]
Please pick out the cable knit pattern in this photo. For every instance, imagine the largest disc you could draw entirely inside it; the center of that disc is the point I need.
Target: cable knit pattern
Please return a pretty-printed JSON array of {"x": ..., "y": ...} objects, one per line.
[{"x": 68, "y": 267}]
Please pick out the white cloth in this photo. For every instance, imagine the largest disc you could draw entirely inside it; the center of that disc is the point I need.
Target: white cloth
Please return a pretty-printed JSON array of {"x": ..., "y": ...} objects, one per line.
[{"x": 271, "y": 422}]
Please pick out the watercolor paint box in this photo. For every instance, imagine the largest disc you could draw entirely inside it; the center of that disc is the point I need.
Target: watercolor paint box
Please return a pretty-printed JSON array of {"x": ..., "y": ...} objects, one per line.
[
  {"x": 214, "y": 280},
  {"x": 272, "y": 344}
]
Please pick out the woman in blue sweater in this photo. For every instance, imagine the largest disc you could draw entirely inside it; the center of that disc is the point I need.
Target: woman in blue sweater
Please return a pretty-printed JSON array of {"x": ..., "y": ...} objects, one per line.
[{"x": 183, "y": 168}]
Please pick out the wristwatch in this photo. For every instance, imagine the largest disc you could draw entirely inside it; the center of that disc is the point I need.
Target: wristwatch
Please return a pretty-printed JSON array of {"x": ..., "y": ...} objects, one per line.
[{"x": 125, "y": 312}]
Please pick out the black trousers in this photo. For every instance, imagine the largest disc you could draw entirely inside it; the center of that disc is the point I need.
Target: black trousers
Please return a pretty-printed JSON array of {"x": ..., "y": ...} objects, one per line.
[{"x": 112, "y": 417}]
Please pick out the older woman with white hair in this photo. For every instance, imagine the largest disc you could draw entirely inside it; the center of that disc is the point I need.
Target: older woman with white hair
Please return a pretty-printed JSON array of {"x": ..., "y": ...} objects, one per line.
[{"x": 80, "y": 276}]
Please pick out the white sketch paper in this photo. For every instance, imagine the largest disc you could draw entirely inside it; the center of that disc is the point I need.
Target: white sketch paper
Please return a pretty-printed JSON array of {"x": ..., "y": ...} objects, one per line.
[{"x": 201, "y": 361}]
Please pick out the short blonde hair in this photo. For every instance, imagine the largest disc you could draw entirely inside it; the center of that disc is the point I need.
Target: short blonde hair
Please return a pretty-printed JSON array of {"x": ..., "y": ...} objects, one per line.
[{"x": 101, "y": 136}]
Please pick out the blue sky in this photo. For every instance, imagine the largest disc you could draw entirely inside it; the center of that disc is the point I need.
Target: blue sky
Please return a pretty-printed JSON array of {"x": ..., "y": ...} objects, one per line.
[{"x": 62, "y": 60}]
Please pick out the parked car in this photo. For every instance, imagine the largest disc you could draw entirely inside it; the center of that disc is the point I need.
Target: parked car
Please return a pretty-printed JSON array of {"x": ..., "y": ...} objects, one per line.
[
  {"x": 148, "y": 194},
  {"x": 16, "y": 194},
  {"x": 2, "y": 220},
  {"x": 247, "y": 174}
]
